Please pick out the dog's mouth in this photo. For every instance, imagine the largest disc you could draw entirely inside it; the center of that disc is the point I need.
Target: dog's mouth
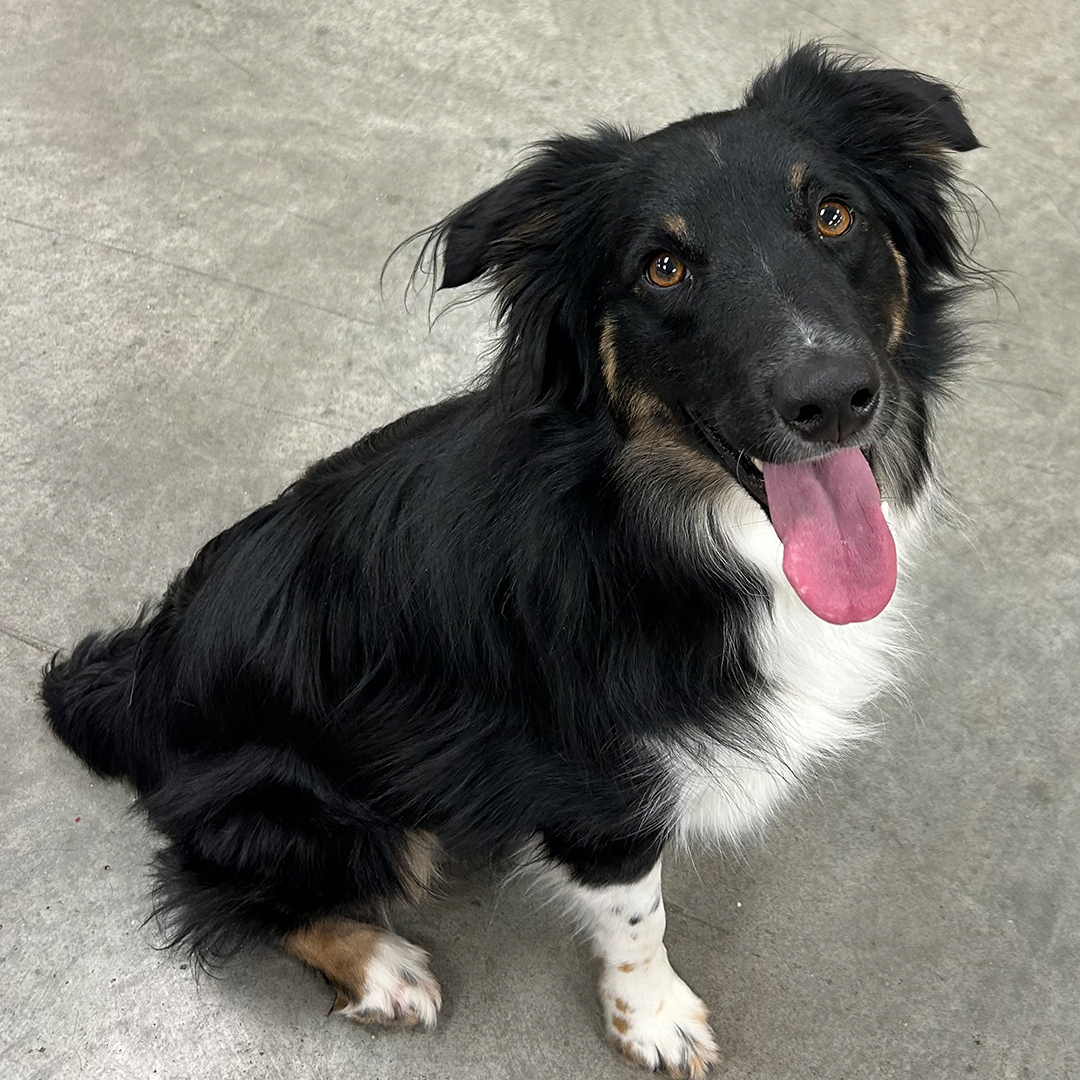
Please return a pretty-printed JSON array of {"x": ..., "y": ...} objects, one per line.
[
  {"x": 839, "y": 554},
  {"x": 747, "y": 470}
]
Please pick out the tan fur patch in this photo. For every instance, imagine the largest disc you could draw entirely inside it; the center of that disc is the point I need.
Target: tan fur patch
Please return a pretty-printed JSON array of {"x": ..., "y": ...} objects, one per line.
[
  {"x": 607, "y": 356},
  {"x": 626, "y": 968},
  {"x": 676, "y": 225},
  {"x": 622, "y": 1006},
  {"x": 620, "y": 1024},
  {"x": 627, "y": 1050},
  {"x": 899, "y": 312},
  {"x": 419, "y": 863},
  {"x": 646, "y": 414},
  {"x": 641, "y": 413},
  {"x": 657, "y": 452},
  {"x": 341, "y": 949},
  {"x": 697, "y": 1065},
  {"x": 797, "y": 177},
  {"x": 650, "y": 426}
]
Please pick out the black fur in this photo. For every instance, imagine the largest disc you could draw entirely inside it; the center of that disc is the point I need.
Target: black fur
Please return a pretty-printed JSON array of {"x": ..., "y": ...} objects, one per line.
[{"x": 466, "y": 622}]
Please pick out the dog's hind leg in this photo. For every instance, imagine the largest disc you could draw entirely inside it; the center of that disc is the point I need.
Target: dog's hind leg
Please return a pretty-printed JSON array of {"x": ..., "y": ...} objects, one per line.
[
  {"x": 264, "y": 847},
  {"x": 380, "y": 977}
]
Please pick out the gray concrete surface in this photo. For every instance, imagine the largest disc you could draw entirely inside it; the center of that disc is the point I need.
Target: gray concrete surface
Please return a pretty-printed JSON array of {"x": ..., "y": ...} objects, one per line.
[{"x": 195, "y": 201}]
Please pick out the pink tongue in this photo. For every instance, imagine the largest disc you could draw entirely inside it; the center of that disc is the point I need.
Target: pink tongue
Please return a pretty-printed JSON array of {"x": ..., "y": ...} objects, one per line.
[{"x": 838, "y": 552}]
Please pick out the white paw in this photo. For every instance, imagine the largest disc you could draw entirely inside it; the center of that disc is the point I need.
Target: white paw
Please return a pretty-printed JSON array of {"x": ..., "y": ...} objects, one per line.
[
  {"x": 398, "y": 988},
  {"x": 668, "y": 1031}
]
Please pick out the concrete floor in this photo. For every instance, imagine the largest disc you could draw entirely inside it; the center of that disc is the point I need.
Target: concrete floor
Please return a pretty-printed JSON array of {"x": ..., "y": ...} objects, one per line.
[{"x": 195, "y": 201}]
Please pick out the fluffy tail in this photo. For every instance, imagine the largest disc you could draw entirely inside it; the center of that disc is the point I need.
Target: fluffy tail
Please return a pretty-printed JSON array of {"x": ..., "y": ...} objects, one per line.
[{"x": 90, "y": 703}]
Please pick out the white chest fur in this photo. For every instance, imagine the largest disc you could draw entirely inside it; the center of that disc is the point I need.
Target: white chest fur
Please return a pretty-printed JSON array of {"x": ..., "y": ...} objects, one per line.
[{"x": 822, "y": 677}]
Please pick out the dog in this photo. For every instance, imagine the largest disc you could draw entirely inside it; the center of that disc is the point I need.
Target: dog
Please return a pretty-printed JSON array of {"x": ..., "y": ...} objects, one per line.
[{"x": 625, "y": 592}]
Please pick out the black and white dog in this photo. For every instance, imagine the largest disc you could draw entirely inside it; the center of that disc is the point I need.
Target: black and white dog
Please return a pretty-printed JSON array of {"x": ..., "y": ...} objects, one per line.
[{"x": 624, "y": 594}]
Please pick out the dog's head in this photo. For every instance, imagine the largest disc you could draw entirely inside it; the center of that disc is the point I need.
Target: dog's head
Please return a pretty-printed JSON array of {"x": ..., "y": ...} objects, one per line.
[{"x": 754, "y": 295}]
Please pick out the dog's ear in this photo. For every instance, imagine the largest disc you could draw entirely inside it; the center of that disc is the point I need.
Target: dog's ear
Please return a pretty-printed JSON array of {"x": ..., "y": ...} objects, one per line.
[
  {"x": 539, "y": 210},
  {"x": 472, "y": 231},
  {"x": 931, "y": 108},
  {"x": 839, "y": 99},
  {"x": 482, "y": 234},
  {"x": 540, "y": 238},
  {"x": 894, "y": 127}
]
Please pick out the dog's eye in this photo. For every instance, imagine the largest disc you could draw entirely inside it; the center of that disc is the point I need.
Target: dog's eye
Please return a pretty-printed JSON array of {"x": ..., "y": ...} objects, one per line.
[
  {"x": 665, "y": 270},
  {"x": 833, "y": 218}
]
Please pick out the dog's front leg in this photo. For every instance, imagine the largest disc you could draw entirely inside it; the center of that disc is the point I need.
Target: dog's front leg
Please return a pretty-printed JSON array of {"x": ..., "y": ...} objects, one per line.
[{"x": 651, "y": 1016}]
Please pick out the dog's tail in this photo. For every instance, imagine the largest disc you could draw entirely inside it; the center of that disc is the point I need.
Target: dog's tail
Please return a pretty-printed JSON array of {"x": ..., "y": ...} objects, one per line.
[{"x": 90, "y": 703}]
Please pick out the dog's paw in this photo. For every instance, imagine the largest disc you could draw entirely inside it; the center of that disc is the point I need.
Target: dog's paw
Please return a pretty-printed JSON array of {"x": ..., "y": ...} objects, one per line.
[
  {"x": 398, "y": 988},
  {"x": 672, "y": 1035}
]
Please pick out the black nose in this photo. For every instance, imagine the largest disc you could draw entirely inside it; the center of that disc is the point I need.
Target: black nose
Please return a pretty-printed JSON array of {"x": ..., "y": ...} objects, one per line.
[{"x": 827, "y": 397}]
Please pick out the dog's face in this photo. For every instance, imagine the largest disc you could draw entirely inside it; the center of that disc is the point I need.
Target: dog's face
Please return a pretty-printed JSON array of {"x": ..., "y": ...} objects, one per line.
[
  {"x": 752, "y": 294},
  {"x": 757, "y": 297}
]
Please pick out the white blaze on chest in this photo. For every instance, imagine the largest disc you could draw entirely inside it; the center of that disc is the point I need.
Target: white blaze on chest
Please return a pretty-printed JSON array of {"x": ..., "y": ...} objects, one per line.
[{"x": 821, "y": 677}]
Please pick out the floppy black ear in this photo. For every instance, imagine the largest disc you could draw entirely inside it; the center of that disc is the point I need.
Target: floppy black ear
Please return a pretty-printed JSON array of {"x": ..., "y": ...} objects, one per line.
[
  {"x": 893, "y": 127},
  {"x": 473, "y": 231},
  {"x": 537, "y": 211},
  {"x": 839, "y": 98},
  {"x": 932, "y": 105},
  {"x": 541, "y": 237}
]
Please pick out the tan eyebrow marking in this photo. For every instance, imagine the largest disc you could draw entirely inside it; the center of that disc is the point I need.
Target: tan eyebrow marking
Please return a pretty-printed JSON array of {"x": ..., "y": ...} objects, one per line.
[
  {"x": 676, "y": 225},
  {"x": 797, "y": 178}
]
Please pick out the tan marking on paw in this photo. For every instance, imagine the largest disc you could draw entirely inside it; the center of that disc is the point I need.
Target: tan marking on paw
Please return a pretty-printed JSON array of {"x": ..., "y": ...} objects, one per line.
[
  {"x": 695, "y": 1067},
  {"x": 379, "y": 977},
  {"x": 628, "y": 1051},
  {"x": 669, "y": 1035},
  {"x": 622, "y": 1006},
  {"x": 626, "y": 968},
  {"x": 340, "y": 948}
]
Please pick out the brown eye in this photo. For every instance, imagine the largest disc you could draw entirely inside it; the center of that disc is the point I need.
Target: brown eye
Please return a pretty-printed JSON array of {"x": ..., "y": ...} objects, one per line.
[
  {"x": 665, "y": 270},
  {"x": 833, "y": 218}
]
